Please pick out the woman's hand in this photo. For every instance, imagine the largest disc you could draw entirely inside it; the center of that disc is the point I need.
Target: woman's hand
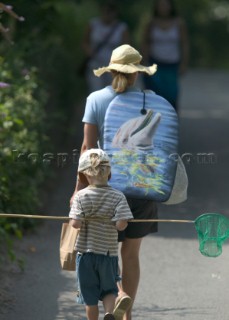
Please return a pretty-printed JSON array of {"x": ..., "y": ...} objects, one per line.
[{"x": 75, "y": 223}]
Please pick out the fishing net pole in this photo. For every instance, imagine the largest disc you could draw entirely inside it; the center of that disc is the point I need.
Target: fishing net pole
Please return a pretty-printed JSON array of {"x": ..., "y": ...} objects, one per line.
[{"x": 212, "y": 229}]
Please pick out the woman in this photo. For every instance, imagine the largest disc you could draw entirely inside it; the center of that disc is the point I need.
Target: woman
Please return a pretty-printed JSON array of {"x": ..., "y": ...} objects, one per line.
[
  {"x": 103, "y": 34},
  {"x": 165, "y": 43},
  {"x": 124, "y": 67}
]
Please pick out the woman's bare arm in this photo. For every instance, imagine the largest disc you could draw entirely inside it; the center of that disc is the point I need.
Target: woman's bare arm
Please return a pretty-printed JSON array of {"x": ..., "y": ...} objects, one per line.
[
  {"x": 184, "y": 47},
  {"x": 89, "y": 141},
  {"x": 145, "y": 47}
]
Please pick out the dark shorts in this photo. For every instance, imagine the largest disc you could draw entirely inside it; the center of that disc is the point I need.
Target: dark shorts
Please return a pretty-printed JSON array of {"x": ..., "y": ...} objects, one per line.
[
  {"x": 98, "y": 275},
  {"x": 141, "y": 209}
]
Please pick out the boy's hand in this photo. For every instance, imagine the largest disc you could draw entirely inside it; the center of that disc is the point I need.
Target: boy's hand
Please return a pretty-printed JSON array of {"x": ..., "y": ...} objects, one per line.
[{"x": 121, "y": 225}]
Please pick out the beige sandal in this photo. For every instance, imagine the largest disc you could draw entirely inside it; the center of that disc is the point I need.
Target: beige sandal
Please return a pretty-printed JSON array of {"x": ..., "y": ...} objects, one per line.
[{"x": 122, "y": 305}]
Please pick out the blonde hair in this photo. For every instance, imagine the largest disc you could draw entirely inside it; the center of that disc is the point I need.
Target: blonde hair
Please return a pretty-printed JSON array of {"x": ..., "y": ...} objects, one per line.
[
  {"x": 120, "y": 81},
  {"x": 97, "y": 167}
]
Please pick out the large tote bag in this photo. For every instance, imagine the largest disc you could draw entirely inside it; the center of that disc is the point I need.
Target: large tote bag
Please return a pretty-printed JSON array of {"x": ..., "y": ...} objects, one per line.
[
  {"x": 141, "y": 138},
  {"x": 67, "y": 247}
]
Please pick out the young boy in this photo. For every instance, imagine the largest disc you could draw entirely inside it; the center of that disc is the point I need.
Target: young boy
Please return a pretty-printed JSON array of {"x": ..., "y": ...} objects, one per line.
[{"x": 99, "y": 211}]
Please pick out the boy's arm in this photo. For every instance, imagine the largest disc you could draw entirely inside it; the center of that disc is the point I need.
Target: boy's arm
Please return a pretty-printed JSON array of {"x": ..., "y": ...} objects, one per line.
[
  {"x": 76, "y": 213},
  {"x": 122, "y": 214}
]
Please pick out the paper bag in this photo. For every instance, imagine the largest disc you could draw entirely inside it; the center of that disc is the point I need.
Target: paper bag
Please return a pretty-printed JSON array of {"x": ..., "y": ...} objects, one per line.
[{"x": 67, "y": 247}]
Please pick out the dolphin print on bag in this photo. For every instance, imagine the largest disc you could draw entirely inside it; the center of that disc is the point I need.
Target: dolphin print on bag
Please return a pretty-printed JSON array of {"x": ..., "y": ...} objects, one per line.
[
  {"x": 141, "y": 138},
  {"x": 137, "y": 133}
]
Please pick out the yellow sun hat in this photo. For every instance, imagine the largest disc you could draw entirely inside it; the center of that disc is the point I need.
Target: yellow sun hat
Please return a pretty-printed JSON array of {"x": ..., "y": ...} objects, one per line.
[{"x": 126, "y": 59}]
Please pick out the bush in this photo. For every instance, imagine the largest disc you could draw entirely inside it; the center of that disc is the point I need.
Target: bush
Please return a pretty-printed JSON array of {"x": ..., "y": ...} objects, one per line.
[{"x": 22, "y": 135}]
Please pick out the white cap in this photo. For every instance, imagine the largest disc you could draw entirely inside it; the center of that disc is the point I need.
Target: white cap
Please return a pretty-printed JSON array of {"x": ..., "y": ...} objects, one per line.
[{"x": 86, "y": 161}]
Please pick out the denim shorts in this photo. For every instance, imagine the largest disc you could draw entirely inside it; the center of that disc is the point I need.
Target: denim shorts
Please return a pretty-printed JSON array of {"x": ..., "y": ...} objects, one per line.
[{"x": 97, "y": 276}]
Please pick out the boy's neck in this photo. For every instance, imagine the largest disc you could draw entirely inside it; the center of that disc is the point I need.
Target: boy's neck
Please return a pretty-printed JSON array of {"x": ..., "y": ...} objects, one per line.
[{"x": 97, "y": 182}]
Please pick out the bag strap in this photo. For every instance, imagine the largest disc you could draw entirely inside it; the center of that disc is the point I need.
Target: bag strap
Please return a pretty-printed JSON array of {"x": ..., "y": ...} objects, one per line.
[{"x": 143, "y": 110}]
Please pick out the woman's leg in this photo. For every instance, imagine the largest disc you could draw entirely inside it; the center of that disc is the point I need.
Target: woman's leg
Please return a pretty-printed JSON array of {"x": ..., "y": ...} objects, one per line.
[
  {"x": 92, "y": 312},
  {"x": 130, "y": 269}
]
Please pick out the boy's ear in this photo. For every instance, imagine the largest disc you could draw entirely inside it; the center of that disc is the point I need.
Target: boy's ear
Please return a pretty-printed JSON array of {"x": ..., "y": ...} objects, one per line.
[{"x": 82, "y": 178}]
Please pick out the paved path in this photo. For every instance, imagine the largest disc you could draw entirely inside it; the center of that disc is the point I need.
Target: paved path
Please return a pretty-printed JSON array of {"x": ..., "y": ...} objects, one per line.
[{"x": 177, "y": 282}]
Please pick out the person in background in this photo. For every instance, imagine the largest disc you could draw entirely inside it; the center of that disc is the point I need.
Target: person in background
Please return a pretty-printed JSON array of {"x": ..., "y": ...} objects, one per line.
[
  {"x": 99, "y": 211},
  {"x": 103, "y": 34},
  {"x": 165, "y": 42}
]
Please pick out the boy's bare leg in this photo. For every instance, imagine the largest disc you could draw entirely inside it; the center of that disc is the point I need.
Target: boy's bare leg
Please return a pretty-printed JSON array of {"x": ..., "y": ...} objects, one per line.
[
  {"x": 130, "y": 269},
  {"x": 92, "y": 312},
  {"x": 108, "y": 303}
]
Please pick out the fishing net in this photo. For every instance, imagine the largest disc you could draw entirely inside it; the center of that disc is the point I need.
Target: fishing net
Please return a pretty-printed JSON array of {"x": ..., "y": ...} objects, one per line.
[{"x": 213, "y": 230}]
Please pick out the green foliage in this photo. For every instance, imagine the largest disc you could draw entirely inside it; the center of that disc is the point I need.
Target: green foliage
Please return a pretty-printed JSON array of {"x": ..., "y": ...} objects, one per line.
[
  {"x": 50, "y": 39},
  {"x": 208, "y": 26},
  {"x": 22, "y": 132},
  {"x": 8, "y": 232}
]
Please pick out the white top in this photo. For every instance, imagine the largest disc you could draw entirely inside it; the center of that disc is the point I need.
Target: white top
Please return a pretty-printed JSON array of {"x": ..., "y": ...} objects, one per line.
[
  {"x": 165, "y": 44},
  {"x": 99, "y": 32},
  {"x": 107, "y": 204}
]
